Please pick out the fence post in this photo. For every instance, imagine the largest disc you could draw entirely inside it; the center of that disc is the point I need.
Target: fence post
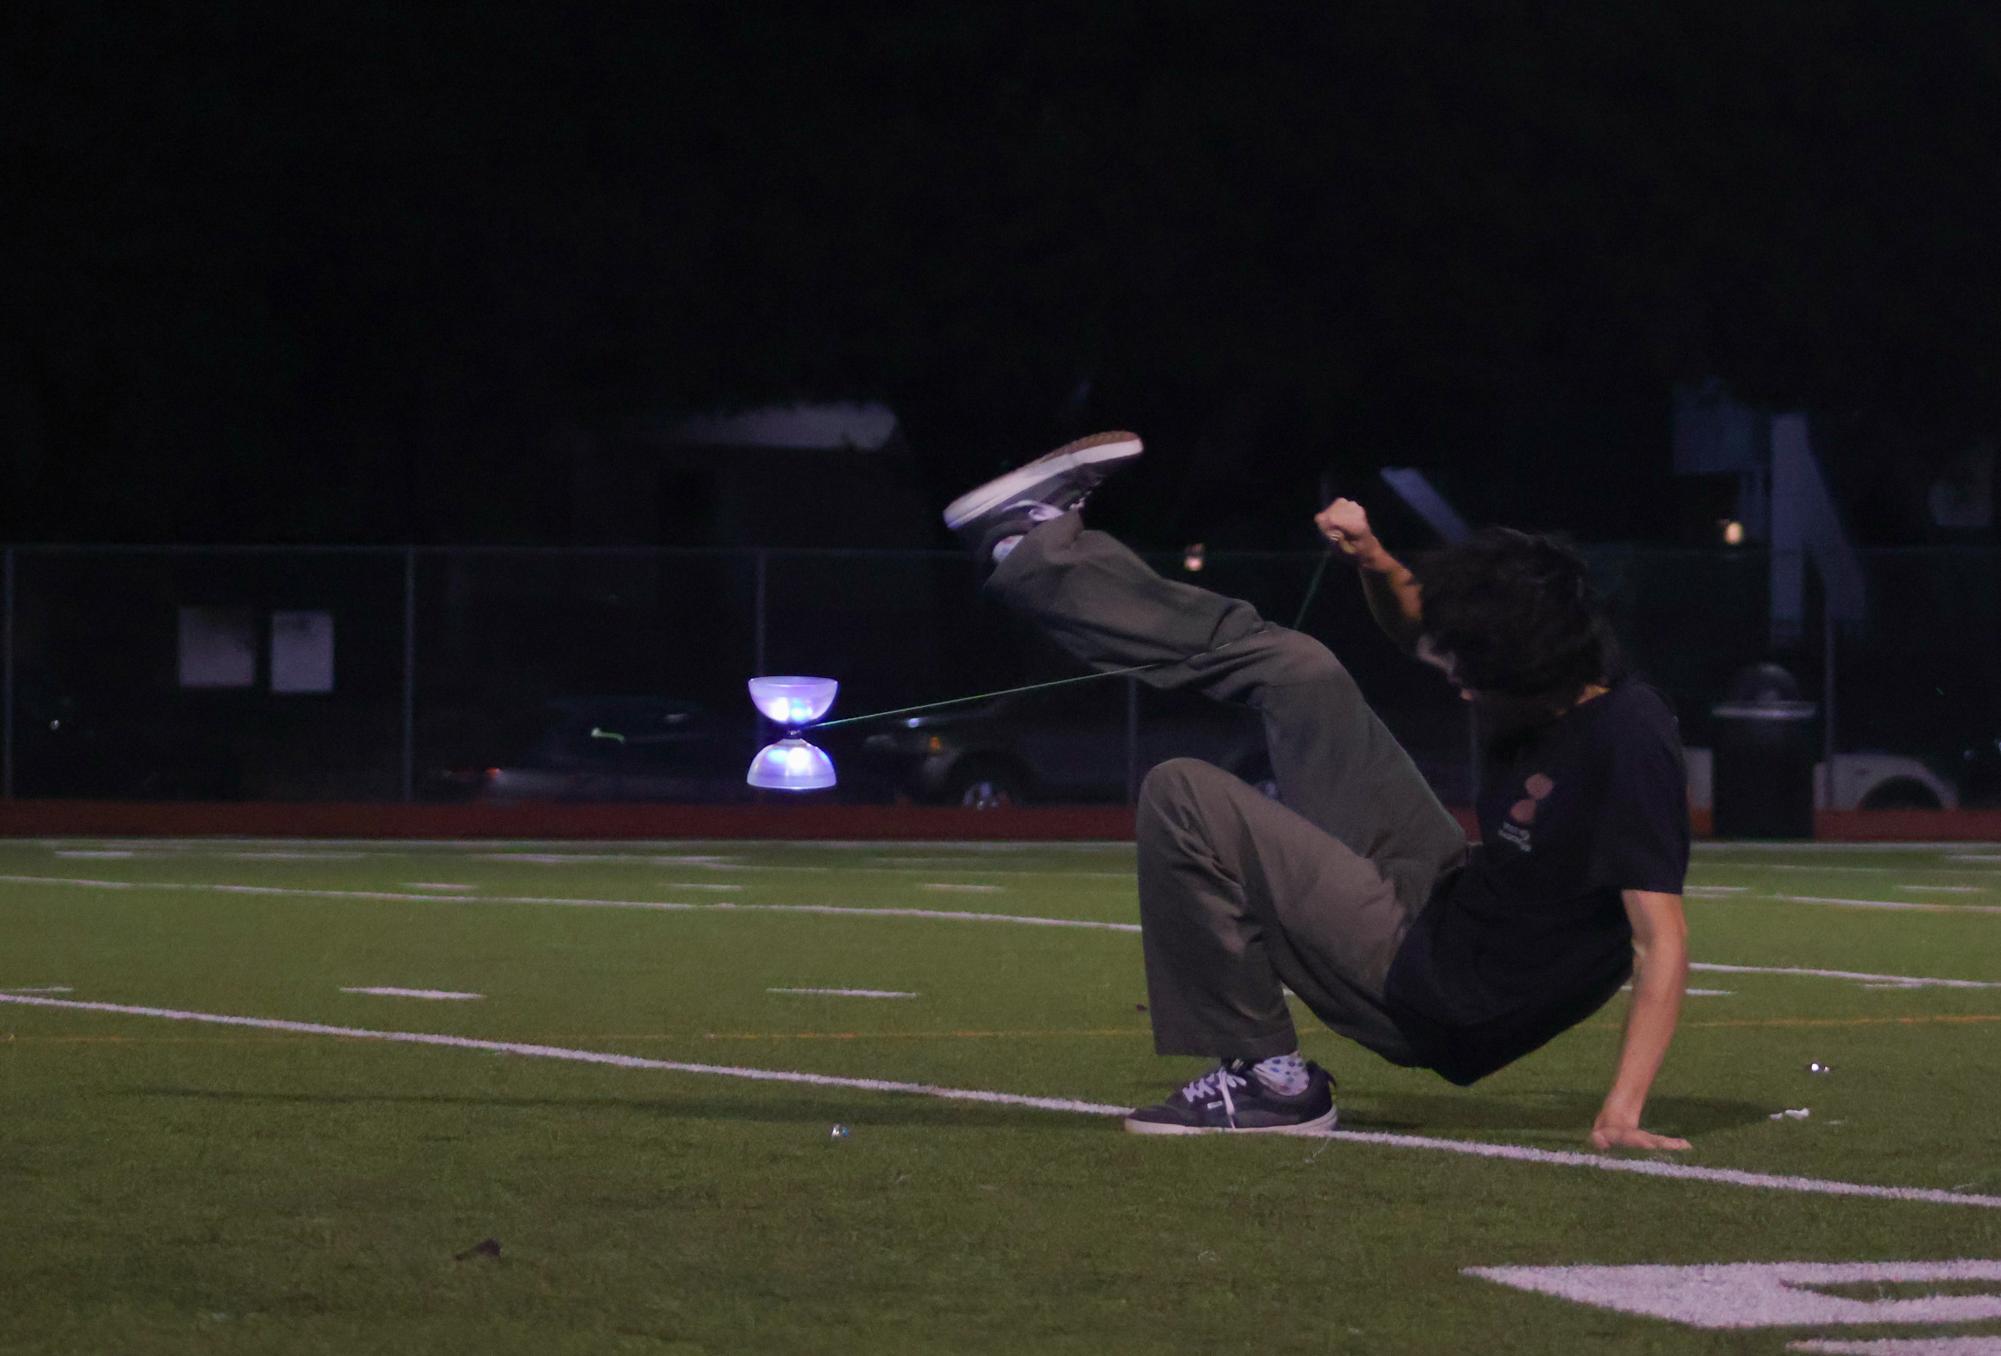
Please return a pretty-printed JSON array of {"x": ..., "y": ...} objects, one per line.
[
  {"x": 757, "y": 611},
  {"x": 7, "y": 678},
  {"x": 760, "y": 579},
  {"x": 409, "y": 673},
  {"x": 1827, "y": 680}
]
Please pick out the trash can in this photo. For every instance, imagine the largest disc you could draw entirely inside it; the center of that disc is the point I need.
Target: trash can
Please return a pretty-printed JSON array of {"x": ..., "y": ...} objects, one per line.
[{"x": 1762, "y": 778}]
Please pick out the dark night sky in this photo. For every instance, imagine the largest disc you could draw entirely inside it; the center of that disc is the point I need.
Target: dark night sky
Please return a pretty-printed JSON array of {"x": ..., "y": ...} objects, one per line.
[{"x": 351, "y": 272}]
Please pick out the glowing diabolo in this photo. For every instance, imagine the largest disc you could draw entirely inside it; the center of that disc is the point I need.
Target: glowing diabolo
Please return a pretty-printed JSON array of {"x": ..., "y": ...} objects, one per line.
[
  {"x": 793, "y": 702},
  {"x": 792, "y": 764}
]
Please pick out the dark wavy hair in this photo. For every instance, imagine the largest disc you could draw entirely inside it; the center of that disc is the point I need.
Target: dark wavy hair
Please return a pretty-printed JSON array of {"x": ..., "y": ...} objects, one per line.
[{"x": 1518, "y": 615}]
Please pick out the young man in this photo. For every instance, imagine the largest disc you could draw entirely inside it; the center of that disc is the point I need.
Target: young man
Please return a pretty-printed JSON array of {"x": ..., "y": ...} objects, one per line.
[{"x": 1355, "y": 888}]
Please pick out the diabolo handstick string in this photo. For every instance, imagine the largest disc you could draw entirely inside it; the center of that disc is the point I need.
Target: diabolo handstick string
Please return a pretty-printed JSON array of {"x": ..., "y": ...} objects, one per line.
[
  {"x": 1312, "y": 588},
  {"x": 1312, "y": 591},
  {"x": 1000, "y": 692}
]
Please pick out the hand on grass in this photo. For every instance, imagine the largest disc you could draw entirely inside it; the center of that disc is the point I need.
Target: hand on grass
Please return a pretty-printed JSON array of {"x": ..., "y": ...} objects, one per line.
[{"x": 1608, "y": 1134}]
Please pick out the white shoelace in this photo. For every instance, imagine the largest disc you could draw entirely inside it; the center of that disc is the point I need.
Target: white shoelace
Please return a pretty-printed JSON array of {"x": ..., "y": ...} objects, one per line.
[{"x": 1218, "y": 1080}]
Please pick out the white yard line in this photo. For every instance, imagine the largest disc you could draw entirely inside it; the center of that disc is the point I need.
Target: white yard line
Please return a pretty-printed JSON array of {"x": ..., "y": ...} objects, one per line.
[
  {"x": 848, "y": 993},
  {"x": 1894, "y": 904},
  {"x": 1899, "y": 1346},
  {"x": 435, "y": 995},
  {"x": 1517, "y": 1153},
  {"x": 97, "y": 852},
  {"x": 970, "y": 845},
  {"x": 724, "y": 864},
  {"x": 434, "y": 885},
  {"x": 970, "y": 869},
  {"x": 1808, "y": 849},
  {"x": 1902, "y": 868},
  {"x": 1856, "y": 976},
  {"x": 39, "y": 988},
  {"x": 1945, "y": 889},
  {"x": 659, "y": 905},
  {"x": 1741, "y": 1295},
  {"x": 641, "y": 858},
  {"x": 838, "y": 911}
]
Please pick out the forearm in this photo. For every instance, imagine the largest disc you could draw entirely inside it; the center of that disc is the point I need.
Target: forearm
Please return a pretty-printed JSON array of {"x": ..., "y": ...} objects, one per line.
[
  {"x": 1658, "y": 984},
  {"x": 1393, "y": 597}
]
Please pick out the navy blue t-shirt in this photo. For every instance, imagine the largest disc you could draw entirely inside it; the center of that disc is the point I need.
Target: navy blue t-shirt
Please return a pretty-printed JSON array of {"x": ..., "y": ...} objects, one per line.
[{"x": 1531, "y": 937}]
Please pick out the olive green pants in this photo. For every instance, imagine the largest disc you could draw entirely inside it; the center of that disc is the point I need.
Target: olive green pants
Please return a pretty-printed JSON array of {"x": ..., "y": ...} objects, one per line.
[{"x": 1240, "y": 895}]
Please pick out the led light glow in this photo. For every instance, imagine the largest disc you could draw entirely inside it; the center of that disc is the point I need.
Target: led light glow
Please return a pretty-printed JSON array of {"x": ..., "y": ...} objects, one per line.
[
  {"x": 791, "y": 765},
  {"x": 793, "y": 701}
]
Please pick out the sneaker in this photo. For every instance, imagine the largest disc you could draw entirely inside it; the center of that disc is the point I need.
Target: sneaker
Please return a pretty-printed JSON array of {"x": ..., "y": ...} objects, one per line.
[
  {"x": 1230, "y": 1099},
  {"x": 1048, "y": 487}
]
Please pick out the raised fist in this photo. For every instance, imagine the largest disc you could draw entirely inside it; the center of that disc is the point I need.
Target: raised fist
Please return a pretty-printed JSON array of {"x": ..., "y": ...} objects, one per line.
[{"x": 1345, "y": 523}]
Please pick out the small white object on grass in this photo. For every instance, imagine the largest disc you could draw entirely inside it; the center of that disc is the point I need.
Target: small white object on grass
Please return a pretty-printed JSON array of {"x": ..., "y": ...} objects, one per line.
[{"x": 1791, "y": 1113}]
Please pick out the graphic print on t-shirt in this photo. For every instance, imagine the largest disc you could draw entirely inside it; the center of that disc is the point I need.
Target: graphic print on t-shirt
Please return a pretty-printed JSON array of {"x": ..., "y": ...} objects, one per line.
[{"x": 1521, "y": 815}]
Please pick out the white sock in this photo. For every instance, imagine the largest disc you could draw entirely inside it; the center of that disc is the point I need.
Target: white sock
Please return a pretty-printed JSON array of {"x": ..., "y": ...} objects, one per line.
[
  {"x": 1003, "y": 546},
  {"x": 1282, "y": 1074}
]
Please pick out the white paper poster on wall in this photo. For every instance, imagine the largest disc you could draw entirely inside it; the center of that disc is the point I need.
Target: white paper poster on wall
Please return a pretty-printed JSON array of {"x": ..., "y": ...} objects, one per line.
[
  {"x": 302, "y": 652},
  {"x": 218, "y": 647}
]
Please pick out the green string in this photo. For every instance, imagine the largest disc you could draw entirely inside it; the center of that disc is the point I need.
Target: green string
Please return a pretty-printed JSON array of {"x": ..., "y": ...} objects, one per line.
[
  {"x": 1002, "y": 692},
  {"x": 1312, "y": 591}
]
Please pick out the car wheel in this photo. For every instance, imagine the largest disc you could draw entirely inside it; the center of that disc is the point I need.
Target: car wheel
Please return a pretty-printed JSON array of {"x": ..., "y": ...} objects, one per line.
[{"x": 984, "y": 786}]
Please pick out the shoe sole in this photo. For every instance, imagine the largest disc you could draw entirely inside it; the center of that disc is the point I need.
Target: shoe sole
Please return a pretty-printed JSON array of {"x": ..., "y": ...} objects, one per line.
[
  {"x": 1319, "y": 1125},
  {"x": 1098, "y": 448}
]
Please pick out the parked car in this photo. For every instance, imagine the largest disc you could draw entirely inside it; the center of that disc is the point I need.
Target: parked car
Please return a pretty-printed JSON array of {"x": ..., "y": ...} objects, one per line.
[
  {"x": 607, "y": 748},
  {"x": 1868, "y": 780},
  {"x": 1061, "y": 745}
]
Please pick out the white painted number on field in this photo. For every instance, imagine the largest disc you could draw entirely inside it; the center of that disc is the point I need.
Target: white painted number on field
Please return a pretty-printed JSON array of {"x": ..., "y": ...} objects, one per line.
[{"x": 1774, "y": 1294}]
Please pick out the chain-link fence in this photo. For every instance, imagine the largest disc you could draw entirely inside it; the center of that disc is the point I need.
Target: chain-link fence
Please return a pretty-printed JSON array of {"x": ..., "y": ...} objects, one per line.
[{"x": 382, "y": 674}]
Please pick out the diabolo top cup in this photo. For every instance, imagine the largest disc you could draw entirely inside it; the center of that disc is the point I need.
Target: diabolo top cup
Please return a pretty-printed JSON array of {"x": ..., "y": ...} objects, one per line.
[{"x": 792, "y": 700}]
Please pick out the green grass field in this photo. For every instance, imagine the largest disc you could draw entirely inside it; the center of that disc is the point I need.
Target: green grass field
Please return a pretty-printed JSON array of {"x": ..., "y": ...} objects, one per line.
[{"x": 176, "y": 1185}]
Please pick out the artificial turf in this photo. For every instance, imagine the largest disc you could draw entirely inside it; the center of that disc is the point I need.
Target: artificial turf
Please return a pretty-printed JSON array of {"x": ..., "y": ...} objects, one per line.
[{"x": 168, "y": 1186}]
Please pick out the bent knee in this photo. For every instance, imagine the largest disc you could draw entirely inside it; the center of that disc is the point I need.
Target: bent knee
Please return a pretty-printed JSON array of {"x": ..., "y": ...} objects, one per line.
[
  {"x": 1299, "y": 658},
  {"x": 1181, "y": 783},
  {"x": 1177, "y": 782}
]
